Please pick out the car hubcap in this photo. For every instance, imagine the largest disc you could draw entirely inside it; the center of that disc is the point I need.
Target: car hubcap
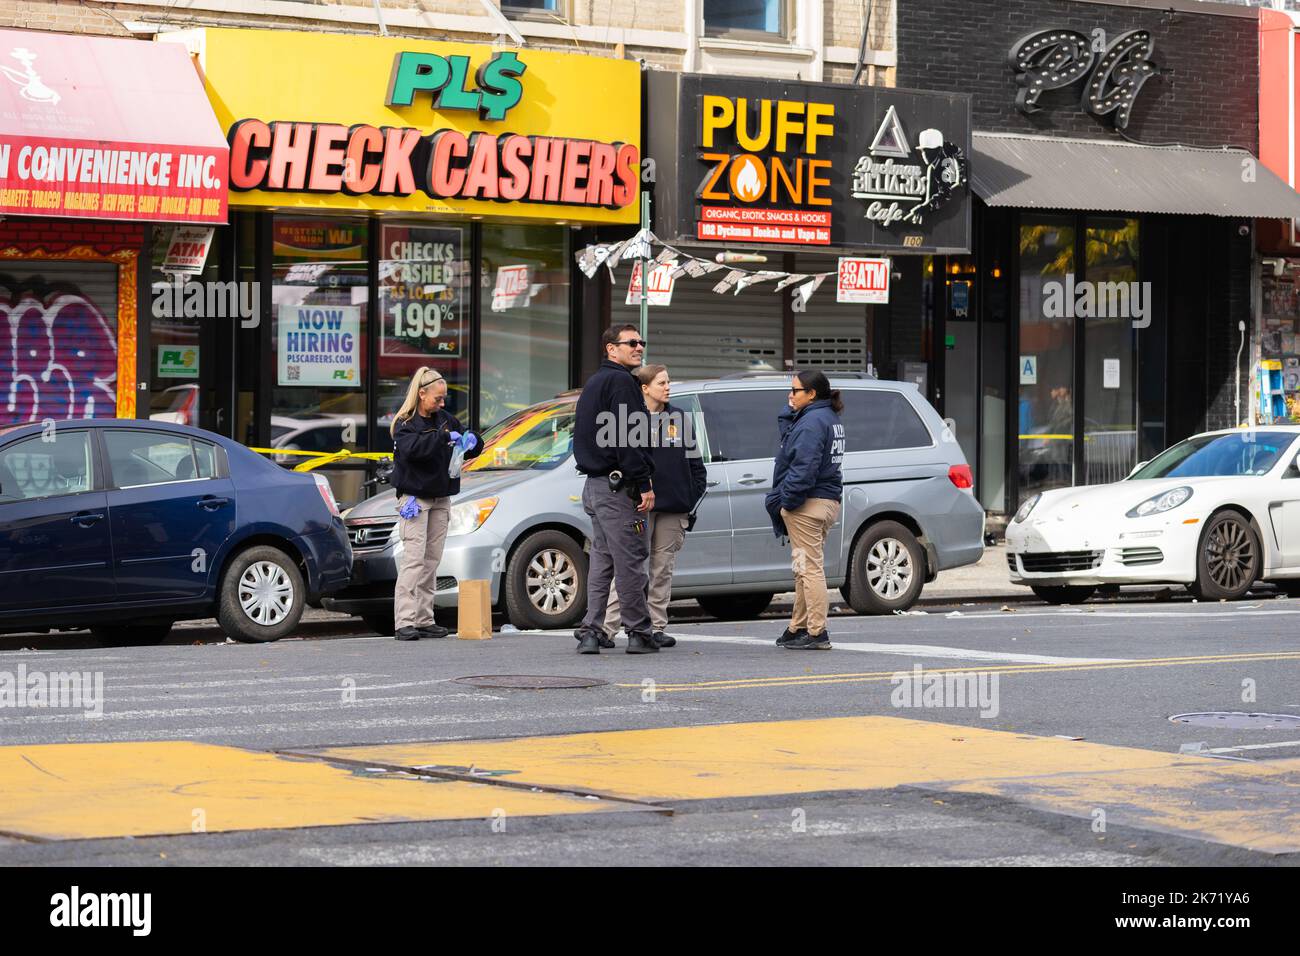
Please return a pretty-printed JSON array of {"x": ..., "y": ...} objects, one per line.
[
  {"x": 551, "y": 581},
  {"x": 889, "y": 568},
  {"x": 1230, "y": 556},
  {"x": 265, "y": 593}
]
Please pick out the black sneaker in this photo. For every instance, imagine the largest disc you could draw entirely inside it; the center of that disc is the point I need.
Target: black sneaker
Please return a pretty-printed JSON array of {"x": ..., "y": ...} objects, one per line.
[
  {"x": 588, "y": 641},
  {"x": 433, "y": 631},
  {"x": 789, "y": 636},
  {"x": 664, "y": 640},
  {"x": 809, "y": 642},
  {"x": 407, "y": 634},
  {"x": 641, "y": 644}
]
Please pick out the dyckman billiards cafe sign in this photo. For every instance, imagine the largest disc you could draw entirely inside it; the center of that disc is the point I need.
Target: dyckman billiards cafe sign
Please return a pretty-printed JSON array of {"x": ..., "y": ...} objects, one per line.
[{"x": 750, "y": 162}]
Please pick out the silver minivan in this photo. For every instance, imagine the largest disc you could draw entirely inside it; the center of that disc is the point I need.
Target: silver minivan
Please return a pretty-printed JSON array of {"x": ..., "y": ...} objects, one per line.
[{"x": 909, "y": 511}]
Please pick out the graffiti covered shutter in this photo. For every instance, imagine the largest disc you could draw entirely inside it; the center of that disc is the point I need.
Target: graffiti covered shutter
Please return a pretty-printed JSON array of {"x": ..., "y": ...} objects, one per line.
[{"x": 58, "y": 340}]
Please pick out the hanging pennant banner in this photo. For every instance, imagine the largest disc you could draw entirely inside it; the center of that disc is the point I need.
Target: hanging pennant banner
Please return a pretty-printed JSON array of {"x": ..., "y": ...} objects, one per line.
[
  {"x": 731, "y": 278},
  {"x": 755, "y": 278},
  {"x": 660, "y": 289},
  {"x": 804, "y": 292},
  {"x": 789, "y": 280}
]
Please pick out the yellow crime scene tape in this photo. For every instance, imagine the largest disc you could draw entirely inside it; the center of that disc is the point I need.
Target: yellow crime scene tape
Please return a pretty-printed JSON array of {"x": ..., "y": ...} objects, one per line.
[{"x": 317, "y": 459}]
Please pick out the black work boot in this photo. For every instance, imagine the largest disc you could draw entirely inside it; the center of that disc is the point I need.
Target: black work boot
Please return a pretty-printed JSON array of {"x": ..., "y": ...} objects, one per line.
[
  {"x": 642, "y": 644},
  {"x": 606, "y": 639},
  {"x": 588, "y": 641},
  {"x": 407, "y": 634},
  {"x": 664, "y": 640},
  {"x": 810, "y": 642},
  {"x": 789, "y": 636},
  {"x": 433, "y": 631}
]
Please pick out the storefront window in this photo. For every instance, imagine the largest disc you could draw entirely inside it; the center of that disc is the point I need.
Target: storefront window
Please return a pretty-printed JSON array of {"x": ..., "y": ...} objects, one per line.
[
  {"x": 424, "y": 306},
  {"x": 524, "y": 318},
  {"x": 1110, "y": 350},
  {"x": 1046, "y": 357},
  {"x": 175, "y": 350},
  {"x": 58, "y": 358},
  {"x": 319, "y": 296}
]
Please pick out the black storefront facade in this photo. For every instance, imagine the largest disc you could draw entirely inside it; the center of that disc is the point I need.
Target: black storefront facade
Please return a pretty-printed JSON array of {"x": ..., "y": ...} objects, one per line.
[{"x": 1095, "y": 319}]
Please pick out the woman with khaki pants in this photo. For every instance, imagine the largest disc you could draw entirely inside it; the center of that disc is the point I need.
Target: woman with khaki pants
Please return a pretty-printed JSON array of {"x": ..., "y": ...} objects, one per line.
[
  {"x": 805, "y": 500},
  {"x": 680, "y": 480},
  {"x": 423, "y": 433}
]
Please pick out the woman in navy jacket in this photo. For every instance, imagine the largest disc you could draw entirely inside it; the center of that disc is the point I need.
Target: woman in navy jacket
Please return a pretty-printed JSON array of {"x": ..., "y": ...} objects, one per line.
[
  {"x": 805, "y": 499},
  {"x": 680, "y": 482}
]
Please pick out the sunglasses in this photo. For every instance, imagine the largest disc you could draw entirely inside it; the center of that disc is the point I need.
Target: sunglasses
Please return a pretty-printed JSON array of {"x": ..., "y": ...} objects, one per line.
[
  {"x": 635, "y": 343},
  {"x": 794, "y": 390}
]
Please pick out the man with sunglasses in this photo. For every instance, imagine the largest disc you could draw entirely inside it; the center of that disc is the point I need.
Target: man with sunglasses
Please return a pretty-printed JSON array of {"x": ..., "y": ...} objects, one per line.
[{"x": 613, "y": 452}]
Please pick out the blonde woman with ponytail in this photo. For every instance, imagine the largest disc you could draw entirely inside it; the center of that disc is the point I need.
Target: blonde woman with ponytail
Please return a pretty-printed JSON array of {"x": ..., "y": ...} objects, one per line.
[{"x": 425, "y": 435}]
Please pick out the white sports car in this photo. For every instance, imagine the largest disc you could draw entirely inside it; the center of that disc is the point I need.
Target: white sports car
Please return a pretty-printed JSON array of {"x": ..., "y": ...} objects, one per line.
[{"x": 1216, "y": 512}]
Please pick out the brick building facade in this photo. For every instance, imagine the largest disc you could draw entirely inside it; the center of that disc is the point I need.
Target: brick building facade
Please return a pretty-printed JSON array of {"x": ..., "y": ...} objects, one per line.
[{"x": 820, "y": 39}]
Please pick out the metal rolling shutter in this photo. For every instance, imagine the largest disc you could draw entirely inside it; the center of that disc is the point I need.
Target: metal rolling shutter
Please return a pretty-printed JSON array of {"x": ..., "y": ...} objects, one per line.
[
  {"x": 704, "y": 334},
  {"x": 828, "y": 335},
  {"x": 58, "y": 347}
]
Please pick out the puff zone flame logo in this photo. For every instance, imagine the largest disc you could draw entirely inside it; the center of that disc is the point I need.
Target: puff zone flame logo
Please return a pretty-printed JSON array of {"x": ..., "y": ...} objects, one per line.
[
  {"x": 58, "y": 360},
  {"x": 1052, "y": 59}
]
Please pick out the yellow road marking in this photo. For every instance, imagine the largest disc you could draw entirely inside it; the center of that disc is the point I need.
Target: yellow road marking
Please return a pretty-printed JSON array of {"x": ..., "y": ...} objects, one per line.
[
  {"x": 1241, "y": 804},
  {"x": 83, "y": 791},
  {"x": 1256, "y": 806},
  {"x": 746, "y": 683}
]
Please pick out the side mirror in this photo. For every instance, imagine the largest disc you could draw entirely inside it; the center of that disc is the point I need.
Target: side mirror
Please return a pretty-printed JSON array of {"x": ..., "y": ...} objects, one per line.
[{"x": 1138, "y": 467}]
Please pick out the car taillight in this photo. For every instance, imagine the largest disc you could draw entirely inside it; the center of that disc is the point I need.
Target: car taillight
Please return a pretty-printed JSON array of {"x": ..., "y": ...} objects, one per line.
[
  {"x": 326, "y": 492},
  {"x": 960, "y": 476}
]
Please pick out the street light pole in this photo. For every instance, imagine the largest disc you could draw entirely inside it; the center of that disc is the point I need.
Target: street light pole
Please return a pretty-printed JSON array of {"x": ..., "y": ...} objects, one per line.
[{"x": 645, "y": 271}]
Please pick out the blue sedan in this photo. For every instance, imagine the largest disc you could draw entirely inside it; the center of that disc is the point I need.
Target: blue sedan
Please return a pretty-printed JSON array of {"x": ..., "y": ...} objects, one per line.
[{"x": 127, "y": 526}]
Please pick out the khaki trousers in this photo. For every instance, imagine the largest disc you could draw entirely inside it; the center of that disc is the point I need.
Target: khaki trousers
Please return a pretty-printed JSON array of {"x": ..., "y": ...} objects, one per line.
[
  {"x": 667, "y": 534},
  {"x": 809, "y": 524},
  {"x": 422, "y": 539}
]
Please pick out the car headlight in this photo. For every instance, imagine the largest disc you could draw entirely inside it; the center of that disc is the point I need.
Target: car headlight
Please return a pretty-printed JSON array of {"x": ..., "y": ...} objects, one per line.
[
  {"x": 469, "y": 515},
  {"x": 1027, "y": 507},
  {"x": 1158, "y": 504}
]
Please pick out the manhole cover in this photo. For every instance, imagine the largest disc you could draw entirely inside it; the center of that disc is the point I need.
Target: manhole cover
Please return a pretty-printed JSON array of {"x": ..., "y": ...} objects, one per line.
[
  {"x": 1234, "y": 720},
  {"x": 529, "y": 682}
]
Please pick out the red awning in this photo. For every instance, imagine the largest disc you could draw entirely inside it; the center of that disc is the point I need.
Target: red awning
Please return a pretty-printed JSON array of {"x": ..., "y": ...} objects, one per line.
[{"x": 107, "y": 129}]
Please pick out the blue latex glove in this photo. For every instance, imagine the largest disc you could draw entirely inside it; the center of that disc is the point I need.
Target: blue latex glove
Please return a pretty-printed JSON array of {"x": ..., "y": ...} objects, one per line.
[
  {"x": 410, "y": 509},
  {"x": 465, "y": 442}
]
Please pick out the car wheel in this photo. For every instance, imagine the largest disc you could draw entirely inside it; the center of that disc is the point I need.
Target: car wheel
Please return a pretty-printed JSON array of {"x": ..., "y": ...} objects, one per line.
[
  {"x": 886, "y": 570},
  {"x": 380, "y": 623},
  {"x": 261, "y": 596},
  {"x": 1228, "y": 559},
  {"x": 1064, "y": 593},
  {"x": 132, "y": 635},
  {"x": 546, "y": 582},
  {"x": 731, "y": 607}
]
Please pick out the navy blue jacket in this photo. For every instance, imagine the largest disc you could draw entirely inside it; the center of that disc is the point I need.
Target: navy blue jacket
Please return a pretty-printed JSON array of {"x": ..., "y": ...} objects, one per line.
[
  {"x": 422, "y": 452},
  {"x": 808, "y": 461},
  {"x": 680, "y": 476},
  {"x": 610, "y": 403}
]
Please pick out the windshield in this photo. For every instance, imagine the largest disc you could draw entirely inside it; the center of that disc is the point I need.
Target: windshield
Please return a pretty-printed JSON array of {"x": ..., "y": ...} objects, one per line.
[
  {"x": 1237, "y": 454},
  {"x": 537, "y": 437}
]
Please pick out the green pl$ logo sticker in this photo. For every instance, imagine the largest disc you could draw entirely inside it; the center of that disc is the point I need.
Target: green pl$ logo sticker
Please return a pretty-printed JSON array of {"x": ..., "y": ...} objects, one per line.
[{"x": 497, "y": 87}]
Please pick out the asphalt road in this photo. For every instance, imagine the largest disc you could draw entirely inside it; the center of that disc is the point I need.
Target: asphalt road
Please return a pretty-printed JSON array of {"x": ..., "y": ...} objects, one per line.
[{"x": 1107, "y": 673}]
